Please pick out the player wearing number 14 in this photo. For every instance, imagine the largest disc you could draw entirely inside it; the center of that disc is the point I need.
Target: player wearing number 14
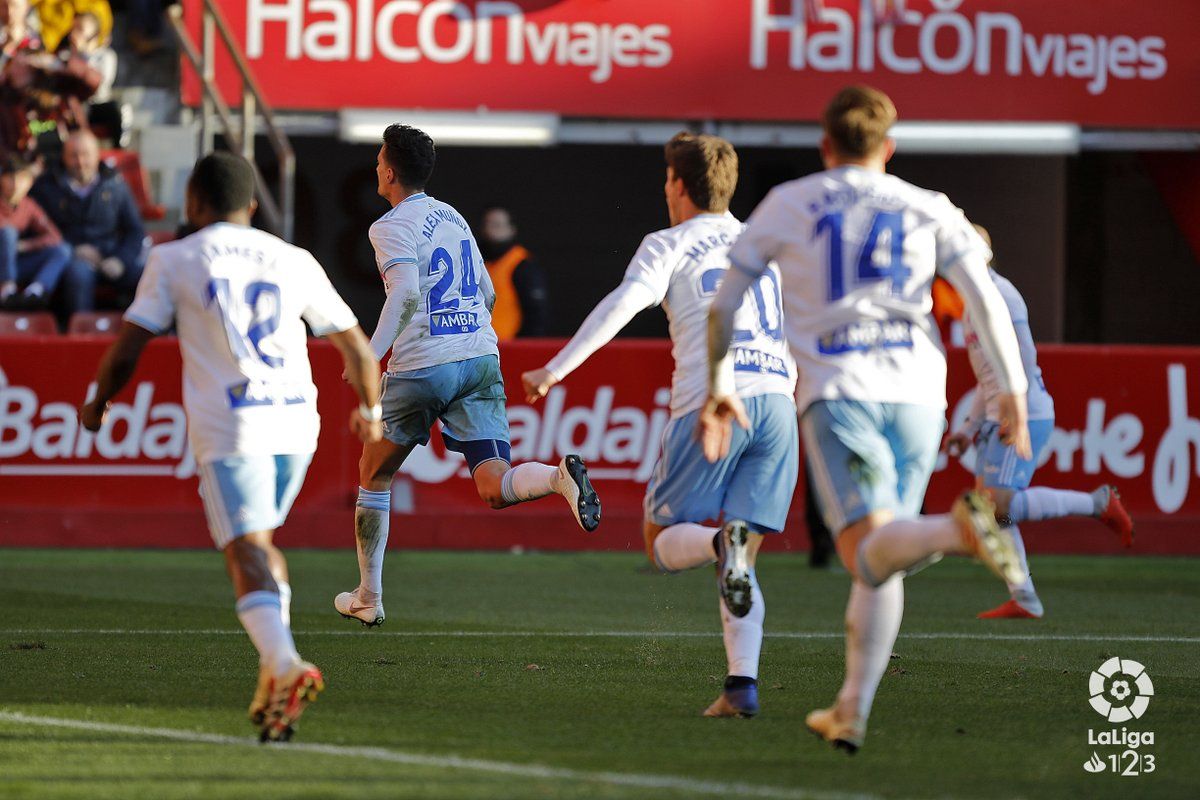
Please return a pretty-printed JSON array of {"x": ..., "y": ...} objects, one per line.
[{"x": 444, "y": 365}]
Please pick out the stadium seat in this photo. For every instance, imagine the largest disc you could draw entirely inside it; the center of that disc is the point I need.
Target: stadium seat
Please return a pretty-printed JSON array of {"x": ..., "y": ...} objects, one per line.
[
  {"x": 161, "y": 237},
  {"x": 129, "y": 165},
  {"x": 94, "y": 323},
  {"x": 21, "y": 323}
]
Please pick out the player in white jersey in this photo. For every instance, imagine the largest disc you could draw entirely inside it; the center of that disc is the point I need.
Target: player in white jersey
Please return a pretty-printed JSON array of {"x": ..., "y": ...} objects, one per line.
[
  {"x": 444, "y": 366},
  {"x": 857, "y": 251},
  {"x": 681, "y": 268},
  {"x": 239, "y": 298},
  {"x": 1003, "y": 473}
]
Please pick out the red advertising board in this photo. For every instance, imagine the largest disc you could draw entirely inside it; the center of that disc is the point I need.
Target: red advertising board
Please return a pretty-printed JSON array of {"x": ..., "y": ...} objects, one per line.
[
  {"x": 1094, "y": 62},
  {"x": 1129, "y": 416}
]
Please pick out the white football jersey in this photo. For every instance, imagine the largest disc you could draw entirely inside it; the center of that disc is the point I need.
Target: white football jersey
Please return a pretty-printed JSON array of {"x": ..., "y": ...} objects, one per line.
[
  {"x": 239, "y": 298},
  {"x": 1039, "y": 401},
  {"x": 684, "y": 266},
  {"x": 452, "y": 321},
  {"x": 857, "y": 251}
]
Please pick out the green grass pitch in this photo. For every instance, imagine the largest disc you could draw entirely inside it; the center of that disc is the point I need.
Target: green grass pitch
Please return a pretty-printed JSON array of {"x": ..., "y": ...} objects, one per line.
[{"x": 499, "y": 675}]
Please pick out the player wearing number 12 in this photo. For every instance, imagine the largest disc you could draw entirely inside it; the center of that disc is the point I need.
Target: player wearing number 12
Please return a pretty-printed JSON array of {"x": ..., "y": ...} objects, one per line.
[
  {"x": 239, "y": 298},
  {"x": 444, "y": 365},
  {"x": 857, "y": 251}
]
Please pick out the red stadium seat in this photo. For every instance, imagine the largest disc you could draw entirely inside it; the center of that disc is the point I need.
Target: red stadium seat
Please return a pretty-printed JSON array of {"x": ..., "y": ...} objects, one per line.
[
  {"x": 31, "y": 323},
  {"x": 129, "y": 165},
  {"x": 161, "y": 237},
  {"x": 94, "y": 323}
]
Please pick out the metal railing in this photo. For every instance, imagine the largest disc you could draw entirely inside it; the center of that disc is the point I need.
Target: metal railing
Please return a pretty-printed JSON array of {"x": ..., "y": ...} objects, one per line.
[{"x": 240, "y": 138}]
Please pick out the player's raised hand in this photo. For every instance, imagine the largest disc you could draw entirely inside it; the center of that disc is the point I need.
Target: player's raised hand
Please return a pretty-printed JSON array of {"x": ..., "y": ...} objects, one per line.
[
  {"x": 956, "y": 444},
  {"x": 537, "y": 383},
  {"x": 715, "y": 429},
  {"x": 1014, "y": 424},
  {"x": 91, "y": 415}
]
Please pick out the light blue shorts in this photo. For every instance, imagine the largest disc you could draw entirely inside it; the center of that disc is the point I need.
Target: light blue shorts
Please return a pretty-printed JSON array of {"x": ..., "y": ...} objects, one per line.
[
  {"x": 754, "y": 483},
  {"x": 243, "y": 494},
  {"x": 467, "y": 396},
  {"x": 999, "y": 465},
  {"x": 868, "y": 457}
]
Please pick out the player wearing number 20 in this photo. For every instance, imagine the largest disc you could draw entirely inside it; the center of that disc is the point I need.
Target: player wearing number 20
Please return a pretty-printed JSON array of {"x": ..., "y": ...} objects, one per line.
[
  {"x": 681, "y": 268},
  {"x": 444, "y": 365},
  {"x": 857, "y": 251},
  {"x": 239, "y": 298}
]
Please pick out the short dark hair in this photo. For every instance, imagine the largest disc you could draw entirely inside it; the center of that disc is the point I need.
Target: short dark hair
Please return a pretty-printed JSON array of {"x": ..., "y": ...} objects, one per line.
[
  {"x": 858, "y": 119},
  {"x": 411, "y": 153},
  {"x": 13, "y": 163},
  {"x": 223, "y": 181},
  {"x": 708, "y": 166}
]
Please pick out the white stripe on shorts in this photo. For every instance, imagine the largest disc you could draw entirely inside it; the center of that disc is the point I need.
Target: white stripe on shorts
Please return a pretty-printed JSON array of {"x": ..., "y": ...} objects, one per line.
[
  {"x": 831, "y": 505},
  {"x": 219, "y": 524}
]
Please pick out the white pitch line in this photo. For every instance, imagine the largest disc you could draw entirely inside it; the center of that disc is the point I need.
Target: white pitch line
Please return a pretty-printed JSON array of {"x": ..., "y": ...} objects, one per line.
[
  {"x": 536, "y": 771},
  {"x": 935, "y": 635}
]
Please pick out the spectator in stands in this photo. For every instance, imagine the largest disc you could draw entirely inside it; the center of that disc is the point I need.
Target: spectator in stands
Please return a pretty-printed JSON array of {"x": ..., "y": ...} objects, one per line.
[
  {"x": 57, "y": 18},
  {"x": 32, "y": 251},
  {"x": 522, "y": 301},
  {"x": 17, "y": 42},
  {"x": 98, "y": 217},
  {"x": 87, "y": 42}
]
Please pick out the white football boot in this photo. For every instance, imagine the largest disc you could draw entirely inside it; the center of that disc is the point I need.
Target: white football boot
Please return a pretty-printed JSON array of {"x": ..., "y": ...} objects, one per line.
[
  {"x": 573, "y": 484},
  {"x": 350, "y": 606}
]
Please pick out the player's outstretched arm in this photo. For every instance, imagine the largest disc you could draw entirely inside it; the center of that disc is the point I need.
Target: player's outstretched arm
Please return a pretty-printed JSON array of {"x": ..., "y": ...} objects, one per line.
[
  {"x": 362, "y": 372},
  {"x": 606, "y": 320},
  {"x": 722, "y": 406},
  {"x": 116, "y": 368}
]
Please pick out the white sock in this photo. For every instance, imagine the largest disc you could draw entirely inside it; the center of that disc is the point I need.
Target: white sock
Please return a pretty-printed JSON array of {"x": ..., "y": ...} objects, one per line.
[
  {"x": 1039, "y": 502},
  {"x": 872, "y": 622},
  {"x": 35, "y": 289},
  {"x": 1025, "y": 588},
  {"x": 372, "y": 513},
  {"x": 260, "y": 615},
  {"x": 744, "y": 635},
  {"x": 1024, "y": 593},
  {"x": 904, "y": 543},
  {"x": 684, "y": 545},
  {"x": 285, "y": 602},
  {"x": 528, "y": 482}
]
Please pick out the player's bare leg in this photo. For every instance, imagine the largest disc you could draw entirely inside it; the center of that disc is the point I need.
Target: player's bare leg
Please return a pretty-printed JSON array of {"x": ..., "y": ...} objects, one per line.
[
  {"x": 743, "y": 611},
  {"x": 372, "y": 515},
  {"x": 501, "y": 485},
  {"x": 252, "y": 560}
]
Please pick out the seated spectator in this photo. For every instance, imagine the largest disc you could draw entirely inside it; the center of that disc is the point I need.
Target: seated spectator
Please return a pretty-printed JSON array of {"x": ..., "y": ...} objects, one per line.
[
  {"x": 522, "y": 301},
  {"x": 98, "y": 217},
  {"x": 32, "y": 252}
]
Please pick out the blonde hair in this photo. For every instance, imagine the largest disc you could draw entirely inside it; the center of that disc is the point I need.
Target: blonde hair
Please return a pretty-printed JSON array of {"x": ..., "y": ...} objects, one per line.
[
  {"x": 708, "y": 166},
  {"x": 857, "y": 120}
]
